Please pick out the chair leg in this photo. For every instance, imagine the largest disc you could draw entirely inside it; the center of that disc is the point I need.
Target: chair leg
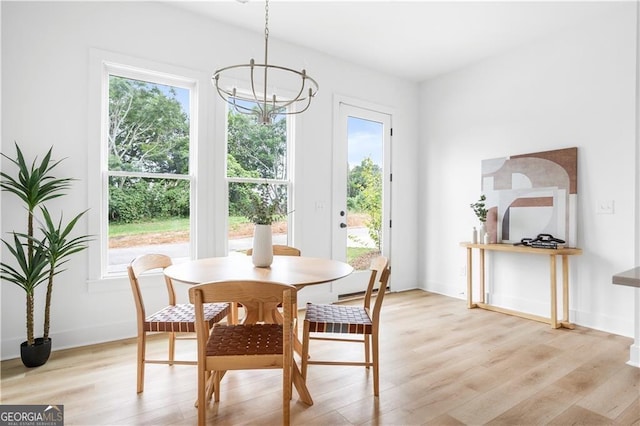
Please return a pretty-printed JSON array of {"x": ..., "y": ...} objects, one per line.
[
  {"x": 233, "y": 313},
  {"x": 142, "y": 342},
  {"x": 305, "y": 349},
  {"x": 202, "y": 402},
  {"x": 172, "y": 347},
  {"x": 367, "y": 349},
  {"x": 376, "y": 365},
  {"x": 216, "y": 384},
  {"x": 286, "y": 392},
  {"x": 210, "y": 385}
]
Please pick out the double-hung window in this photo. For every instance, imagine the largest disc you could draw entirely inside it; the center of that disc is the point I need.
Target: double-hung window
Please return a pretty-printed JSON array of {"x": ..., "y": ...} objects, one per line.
[
  {"x": 258, "y": 169},
  {"x": 145, "y": 165}
]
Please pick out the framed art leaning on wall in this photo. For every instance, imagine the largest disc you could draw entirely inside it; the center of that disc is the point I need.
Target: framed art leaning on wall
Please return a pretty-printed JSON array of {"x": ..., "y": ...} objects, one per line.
[{"x": 532, "y": 194}]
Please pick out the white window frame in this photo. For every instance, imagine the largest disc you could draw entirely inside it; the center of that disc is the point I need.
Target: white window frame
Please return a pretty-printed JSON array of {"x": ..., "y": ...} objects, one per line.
[
  {"x": 288, "y": 182},
  {"x": 103, "y": 64}
]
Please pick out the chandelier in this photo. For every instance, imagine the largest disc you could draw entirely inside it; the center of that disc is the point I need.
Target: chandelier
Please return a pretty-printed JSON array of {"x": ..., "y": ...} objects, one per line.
[{"x": 268, "y": 104}]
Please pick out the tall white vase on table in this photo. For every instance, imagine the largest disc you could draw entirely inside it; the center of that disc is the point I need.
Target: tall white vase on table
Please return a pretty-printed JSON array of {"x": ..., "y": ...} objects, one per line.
[{"x": 262, "y": 256}]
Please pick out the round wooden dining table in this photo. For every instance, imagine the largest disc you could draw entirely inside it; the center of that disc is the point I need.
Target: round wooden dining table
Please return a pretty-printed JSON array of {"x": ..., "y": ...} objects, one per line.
[{"x": 299, "y": 271}]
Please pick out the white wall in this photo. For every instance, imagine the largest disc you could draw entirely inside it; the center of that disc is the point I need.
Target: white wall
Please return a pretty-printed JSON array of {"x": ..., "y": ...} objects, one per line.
[
  {"x": 575, "y": 88},
  {"x": 45, "y": 86}
]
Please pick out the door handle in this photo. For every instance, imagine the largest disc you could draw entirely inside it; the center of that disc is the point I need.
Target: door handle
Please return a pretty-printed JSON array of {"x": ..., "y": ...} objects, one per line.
[{"x": 343, "y": 225}]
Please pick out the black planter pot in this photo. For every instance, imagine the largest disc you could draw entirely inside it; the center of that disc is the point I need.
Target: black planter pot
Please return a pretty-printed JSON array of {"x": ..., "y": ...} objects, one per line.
[{"x": 36, "y": 355}]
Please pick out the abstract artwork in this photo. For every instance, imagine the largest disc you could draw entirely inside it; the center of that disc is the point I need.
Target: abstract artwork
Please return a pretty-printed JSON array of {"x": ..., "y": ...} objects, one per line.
[{"x": 532, "y": 194}]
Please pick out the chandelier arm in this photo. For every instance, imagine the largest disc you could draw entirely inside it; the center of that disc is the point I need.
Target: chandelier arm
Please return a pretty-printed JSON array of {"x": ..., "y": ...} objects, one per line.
[
  {"x": 261, "y": 107},
  {"x": 299, "y": 73},
  {"x": 305, "y": 108},
  {"x": 286, "y": 103},
  {"x": 231, "y": 98},
  {"x": 297, "y": 98}
]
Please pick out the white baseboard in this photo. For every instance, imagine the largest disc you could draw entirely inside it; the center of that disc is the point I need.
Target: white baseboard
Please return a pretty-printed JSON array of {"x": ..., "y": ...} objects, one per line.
[
  {"x": 634, "y": 355},
  {"x": 75, "y": 338},
  {"x": 614, "y": 325}
]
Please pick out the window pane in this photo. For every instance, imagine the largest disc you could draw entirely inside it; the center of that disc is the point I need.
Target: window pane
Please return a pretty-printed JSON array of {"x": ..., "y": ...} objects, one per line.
[
  {"x": 242, "y": 204},
  {"x": 147, "y": 215},
  {"x": 148, "y": 127},
  {"x": 256, "y": 150},
  {"x": 148, "y": 133}
]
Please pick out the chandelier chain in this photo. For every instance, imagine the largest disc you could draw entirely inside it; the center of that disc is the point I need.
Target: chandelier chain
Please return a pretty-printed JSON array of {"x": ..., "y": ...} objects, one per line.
[{"x": 266, "y": 19}]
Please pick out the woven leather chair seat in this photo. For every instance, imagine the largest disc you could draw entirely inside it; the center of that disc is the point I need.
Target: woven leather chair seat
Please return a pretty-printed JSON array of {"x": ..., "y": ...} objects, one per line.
[
  {"x": 181, "y": 318},
  {"x": 338, "y": 319},
  {"x": 247, "y": 346},
  {"x": 248, "y": 339}
]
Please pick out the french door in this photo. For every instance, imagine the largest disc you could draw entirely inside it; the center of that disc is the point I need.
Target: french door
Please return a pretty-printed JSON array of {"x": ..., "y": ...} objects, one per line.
[{"x": 361, "y": 191}]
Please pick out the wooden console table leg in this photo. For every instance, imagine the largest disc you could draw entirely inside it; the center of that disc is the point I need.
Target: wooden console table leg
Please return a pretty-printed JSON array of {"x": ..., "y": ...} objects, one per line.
[
  {"x": 565, "y": 293},
  {"x": 482, "y": 276},
  {"x": 554, "y": 295},
  {"x": 469, "y": 279}
]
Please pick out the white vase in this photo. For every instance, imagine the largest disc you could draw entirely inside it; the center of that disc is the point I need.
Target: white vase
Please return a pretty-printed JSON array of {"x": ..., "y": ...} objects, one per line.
[
  {"x": 482, "y": 231},
  {"x": 262, "y": 246}
]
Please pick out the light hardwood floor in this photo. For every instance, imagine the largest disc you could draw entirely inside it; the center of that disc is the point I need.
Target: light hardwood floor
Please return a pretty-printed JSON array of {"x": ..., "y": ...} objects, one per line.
[{"x": 441, "y": 364}]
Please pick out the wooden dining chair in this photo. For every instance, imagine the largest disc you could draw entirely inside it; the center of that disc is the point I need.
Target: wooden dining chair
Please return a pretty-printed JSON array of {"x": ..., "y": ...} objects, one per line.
[
  {"x": 280, "y": 250},
  {"x": 172, "y": 319},
  {"x": 331, "y": 321},
  {"x": 243, "y": 346}
]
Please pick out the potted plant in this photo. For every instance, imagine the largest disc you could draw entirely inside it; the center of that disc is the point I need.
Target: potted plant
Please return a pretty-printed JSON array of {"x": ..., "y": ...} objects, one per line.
[
  {"x": 263, "y": 211},
  {"x": 37, "y": 258},
  {"x": 481, "y": 213}
]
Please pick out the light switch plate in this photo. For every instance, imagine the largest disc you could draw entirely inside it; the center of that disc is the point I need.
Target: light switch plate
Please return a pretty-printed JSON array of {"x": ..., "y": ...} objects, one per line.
[{"x": 605, "y": 207}]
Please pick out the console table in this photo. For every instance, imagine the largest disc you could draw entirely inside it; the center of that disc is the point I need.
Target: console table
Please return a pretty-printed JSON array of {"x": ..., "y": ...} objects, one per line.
[{"x": 552, "y": 253}]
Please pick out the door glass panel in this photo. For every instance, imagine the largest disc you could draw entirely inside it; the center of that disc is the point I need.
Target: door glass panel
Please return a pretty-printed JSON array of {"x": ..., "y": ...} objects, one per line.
[{"x": 364, "y": 191}]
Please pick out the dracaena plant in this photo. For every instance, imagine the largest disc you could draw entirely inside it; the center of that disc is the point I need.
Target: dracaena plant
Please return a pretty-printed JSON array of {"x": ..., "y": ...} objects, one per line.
[
  {"x": 60, "y": 245},
  {"x": 36, "y": 258},
  {"x": 31, "y": 271}
]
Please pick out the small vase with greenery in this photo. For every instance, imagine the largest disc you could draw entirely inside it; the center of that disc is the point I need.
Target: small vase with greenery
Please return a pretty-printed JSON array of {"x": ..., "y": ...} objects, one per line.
[
  {"x": 263, "y": 212},
  {"x": 481, "y": 213},
  {"x": 37, "y": 258},
  {"x": 479, "y": 209},
  {"x": 265, "y": 207}
]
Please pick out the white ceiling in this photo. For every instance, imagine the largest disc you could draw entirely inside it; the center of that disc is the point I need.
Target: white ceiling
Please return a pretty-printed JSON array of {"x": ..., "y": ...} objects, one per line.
[{"x": 415, "y": 40}]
